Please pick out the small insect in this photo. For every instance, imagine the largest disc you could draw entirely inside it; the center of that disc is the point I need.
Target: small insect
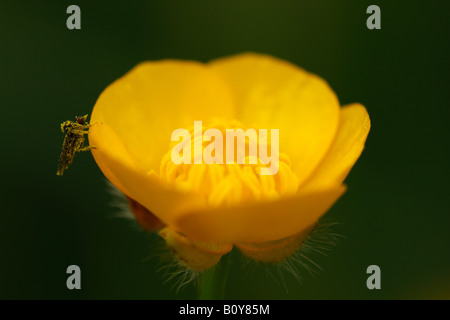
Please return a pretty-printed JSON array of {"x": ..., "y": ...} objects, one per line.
[{"x": 73, "y": 141}]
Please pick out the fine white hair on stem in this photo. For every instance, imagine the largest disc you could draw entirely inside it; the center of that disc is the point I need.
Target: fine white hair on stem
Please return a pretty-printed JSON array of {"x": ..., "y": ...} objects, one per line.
[
  {"x": 119, "y": 202},
  {"x": 121, "y": 207},
  {"x": 169, "y": 266},
  {"x": 321, "y": 240},
  {"x": 172, "y": 269}
]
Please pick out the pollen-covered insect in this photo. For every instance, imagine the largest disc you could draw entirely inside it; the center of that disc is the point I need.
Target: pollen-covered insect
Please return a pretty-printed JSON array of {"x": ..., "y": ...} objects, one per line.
[{"x": 73, "y": 141}]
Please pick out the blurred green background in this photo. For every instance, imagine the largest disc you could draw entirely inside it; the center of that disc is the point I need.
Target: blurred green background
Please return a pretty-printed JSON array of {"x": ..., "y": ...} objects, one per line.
[{"x": 395, "y": 213}]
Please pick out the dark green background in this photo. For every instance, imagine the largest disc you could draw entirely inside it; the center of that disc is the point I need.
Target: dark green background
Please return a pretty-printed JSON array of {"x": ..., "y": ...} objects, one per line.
[{"x": 395, "y": 213}]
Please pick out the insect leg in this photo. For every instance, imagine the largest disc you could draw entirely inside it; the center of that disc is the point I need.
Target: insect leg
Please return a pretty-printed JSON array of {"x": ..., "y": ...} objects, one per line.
[{"x": 87, "y": 148}]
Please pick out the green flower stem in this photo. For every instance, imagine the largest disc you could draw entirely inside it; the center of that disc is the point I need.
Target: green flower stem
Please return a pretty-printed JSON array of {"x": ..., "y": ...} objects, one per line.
[{"x": 213, "y": 282}]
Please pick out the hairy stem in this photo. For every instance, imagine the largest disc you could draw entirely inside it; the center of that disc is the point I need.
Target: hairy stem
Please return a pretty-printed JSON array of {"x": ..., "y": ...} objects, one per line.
[{"x": 213, "y": 283}]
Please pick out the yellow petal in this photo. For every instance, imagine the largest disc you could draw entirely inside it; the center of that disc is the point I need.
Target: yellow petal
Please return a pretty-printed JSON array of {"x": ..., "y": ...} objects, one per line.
[
  {"x": 155, "y": 98},
  {"x": 188, "y": 213},
  {"x": 347, "y": 147},
  {"x": 274, "y": 94},
  {"x": 146, "y": 188},
  {"x": 106, "y": 145},
  {"x": 258, "y": 222}
]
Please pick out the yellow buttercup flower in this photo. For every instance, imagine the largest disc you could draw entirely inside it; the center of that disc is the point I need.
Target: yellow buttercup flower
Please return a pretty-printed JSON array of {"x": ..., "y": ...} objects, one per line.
[{"x": 206, "y": 209}]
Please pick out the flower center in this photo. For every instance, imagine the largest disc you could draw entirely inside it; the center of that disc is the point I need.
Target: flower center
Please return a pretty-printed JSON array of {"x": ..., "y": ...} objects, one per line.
[{"x": 226, "y": 183}]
